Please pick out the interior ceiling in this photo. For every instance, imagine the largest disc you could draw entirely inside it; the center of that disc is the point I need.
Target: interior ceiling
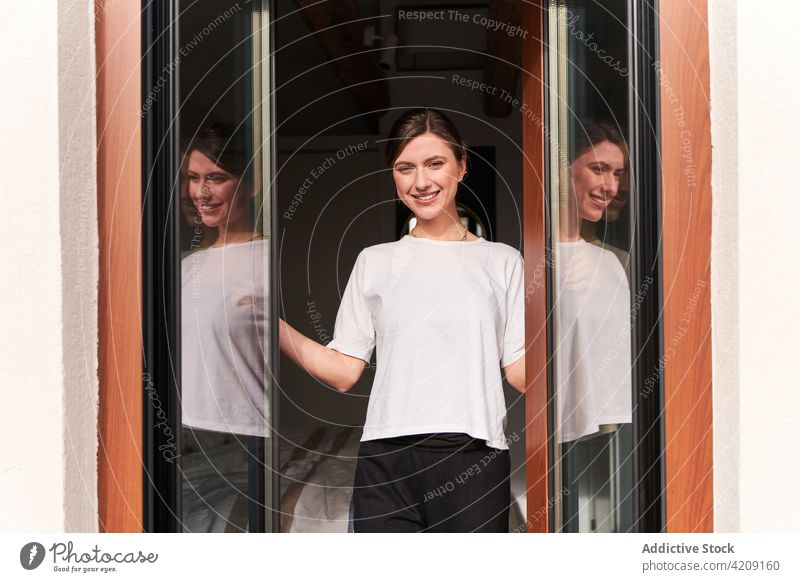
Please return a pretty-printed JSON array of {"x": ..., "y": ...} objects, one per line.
[{"x": 353, "y": 84}]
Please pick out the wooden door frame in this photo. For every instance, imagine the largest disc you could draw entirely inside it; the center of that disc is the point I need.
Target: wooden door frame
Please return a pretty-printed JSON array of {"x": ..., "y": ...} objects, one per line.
[
  {"x": 120, "y": 475},
  {"x": 534, "y": 178},
  {"x": 683, "y": 75},
  {"x": 686, "y": 230}
]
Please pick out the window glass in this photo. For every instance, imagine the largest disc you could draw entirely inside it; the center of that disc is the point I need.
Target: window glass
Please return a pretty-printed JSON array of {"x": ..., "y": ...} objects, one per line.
[
  {"x": 590, "y": 222},
  {"x": 225, "y": 297}
]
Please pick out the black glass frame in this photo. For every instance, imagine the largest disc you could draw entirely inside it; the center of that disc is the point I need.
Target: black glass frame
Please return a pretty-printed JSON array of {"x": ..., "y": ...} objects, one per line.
[
  {"x": 647, "y": 333},
  {"x": 161, "y": 272},
  {"x": 161, "y": 285},
  {"x": 160, "y": 268}
]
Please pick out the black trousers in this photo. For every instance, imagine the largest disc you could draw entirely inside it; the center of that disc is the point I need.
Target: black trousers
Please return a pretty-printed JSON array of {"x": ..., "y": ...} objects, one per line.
[{"x": 443, "y": 482}]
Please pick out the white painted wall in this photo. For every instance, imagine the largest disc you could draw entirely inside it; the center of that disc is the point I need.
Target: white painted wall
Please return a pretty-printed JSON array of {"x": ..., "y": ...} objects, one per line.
[
  {"x": 725, "y": 263},
  {"x": 48, "y": 287},
  {"x": 756, "y": 264}
]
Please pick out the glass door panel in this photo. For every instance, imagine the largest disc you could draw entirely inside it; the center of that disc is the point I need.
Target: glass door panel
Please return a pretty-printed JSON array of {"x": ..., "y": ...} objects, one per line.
[
  {"x": 590, "y": 234},
  {"x": 224, "y": 238}
]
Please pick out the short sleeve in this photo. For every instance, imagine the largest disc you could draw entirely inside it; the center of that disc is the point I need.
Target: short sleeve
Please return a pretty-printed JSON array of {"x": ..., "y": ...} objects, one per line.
[
  {"x": 514, "y": 332},
  {"x": 354, "y": 331}
]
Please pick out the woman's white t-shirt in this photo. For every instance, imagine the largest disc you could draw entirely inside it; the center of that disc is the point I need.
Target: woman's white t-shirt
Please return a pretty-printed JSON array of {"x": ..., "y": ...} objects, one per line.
[
  {"x": 592, "y": 341},
  {"x": 224, "y": 336},
  {"x": 443, "y": 316}
]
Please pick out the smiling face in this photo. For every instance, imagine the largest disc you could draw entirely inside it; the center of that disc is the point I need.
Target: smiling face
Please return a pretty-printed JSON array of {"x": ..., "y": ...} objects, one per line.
[
  {"x": 426, "y": 175},
  {"x": 594, "y": 179},
  {"x": 220, "y": 197}
]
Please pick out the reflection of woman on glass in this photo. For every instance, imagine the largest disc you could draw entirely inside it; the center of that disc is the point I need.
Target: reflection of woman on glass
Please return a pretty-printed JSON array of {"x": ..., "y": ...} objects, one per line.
[
  {"x": 589, "y": 229},
  {"x": 223, "y": 330},
  {"x": 223, "y": 298},
  {"x": 444, "y": 310},
  {"x": 593, "y": 303}
]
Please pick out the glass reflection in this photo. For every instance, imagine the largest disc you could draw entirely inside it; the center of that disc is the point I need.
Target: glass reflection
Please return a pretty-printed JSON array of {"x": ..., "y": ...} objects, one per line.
[
  {"x": 224, "y": 344},
  {"x": 224, "y": 323},
  {"x": 598, "y": 233},
  {"x": 593, "y": 295},
  {"x": 593, "y": 363},
  {"x": 590, "y": 240}
]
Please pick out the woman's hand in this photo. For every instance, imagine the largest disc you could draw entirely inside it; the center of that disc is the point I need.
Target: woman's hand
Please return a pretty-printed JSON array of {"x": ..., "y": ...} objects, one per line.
[{"x": 331, "y": 367}]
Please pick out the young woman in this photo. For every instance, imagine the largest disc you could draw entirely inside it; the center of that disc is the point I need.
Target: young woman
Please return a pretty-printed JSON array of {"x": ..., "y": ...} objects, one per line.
[
  {"x": 612, "y": 212},
  {"x": 223, "y": 326},
  {"x": 444, "y": 309},
  {"x": 593, "y": 295}
]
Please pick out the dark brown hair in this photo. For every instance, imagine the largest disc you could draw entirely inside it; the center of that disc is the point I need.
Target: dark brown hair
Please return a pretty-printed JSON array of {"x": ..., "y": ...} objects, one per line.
[
  {"x": 226, "y": 146},
  {"x": 413, "y": 123},
  {"x": 590, "y": 132}
]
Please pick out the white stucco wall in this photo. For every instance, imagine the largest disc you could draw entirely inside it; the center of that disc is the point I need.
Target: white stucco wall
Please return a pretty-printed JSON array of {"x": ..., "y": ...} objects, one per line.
[
  {"x": 725, "y": 263},
  {"x": 48, "y": 287},
  {"x": 756, "y": 147}
]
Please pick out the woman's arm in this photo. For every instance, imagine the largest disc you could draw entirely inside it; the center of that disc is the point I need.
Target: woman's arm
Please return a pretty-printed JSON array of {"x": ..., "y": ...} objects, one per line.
[
  {"x": 515, "y": 374},
  {"x": 334, "y": 368}
]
